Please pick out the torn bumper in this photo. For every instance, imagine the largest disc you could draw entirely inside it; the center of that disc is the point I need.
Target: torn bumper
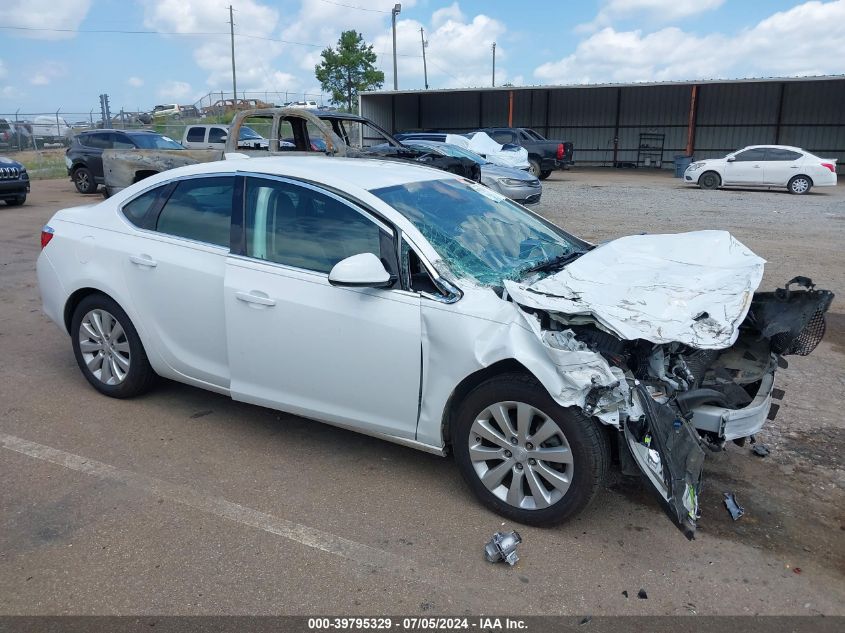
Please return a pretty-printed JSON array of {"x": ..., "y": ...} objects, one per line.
[{"x": 732, "y": 424}]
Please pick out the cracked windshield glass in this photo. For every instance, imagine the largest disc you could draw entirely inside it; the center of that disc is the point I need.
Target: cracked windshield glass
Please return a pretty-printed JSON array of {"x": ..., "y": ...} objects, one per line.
[{"x": 479, "y": 233}]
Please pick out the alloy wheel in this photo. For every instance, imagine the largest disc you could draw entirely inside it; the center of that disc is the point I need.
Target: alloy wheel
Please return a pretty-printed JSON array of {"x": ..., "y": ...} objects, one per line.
[
  {"x": 520, "y": 455},
  {"x": 800, "y": 185},
  {"x": 104, "y": 347}
]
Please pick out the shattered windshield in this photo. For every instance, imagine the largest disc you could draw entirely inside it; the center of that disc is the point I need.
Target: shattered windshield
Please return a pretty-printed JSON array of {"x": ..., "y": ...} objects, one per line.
[{"x": 479, "y": 233}]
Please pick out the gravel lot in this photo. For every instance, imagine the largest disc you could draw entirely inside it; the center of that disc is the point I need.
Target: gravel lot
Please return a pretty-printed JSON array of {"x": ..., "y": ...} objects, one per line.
[{"x": 198, "y": 505}]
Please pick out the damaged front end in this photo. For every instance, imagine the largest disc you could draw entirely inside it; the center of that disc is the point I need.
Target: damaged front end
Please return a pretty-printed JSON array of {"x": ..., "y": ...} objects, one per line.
[{"x": 670, "y": 400}]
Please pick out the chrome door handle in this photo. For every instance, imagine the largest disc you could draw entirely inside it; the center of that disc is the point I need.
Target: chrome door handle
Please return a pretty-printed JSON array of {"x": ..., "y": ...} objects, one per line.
[
  {"x": 756, "y": 166},
  {"x": 143, "y": 260},
  {"x": 253, "y": 297}
]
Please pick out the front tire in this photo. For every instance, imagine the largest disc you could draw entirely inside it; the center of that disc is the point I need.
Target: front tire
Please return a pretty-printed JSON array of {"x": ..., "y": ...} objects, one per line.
[
  {"x": 709, "y": 180},
  {"x": 83, "y": 180},
  {"x": 108, "y": 349},
  {"x": 523, "y": 455},
  {"x": 16, "y": 202},
  {"x": 799, "y": 185}
]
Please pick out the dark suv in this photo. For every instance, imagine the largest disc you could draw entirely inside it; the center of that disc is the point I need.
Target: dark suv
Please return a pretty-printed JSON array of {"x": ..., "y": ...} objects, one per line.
[
  {"x": 84, "y": 158},
  {"x": 14, "y": 182}
]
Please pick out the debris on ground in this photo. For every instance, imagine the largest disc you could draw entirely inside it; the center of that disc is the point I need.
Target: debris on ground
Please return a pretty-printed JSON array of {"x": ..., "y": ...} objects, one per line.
[
  {"x": 642, "y": 595},
  {"x": 585, "y": 620},
  {"x": 502, "y": 547},
  {"x": 796, "y": 570},
  {"x": 625, "y": 593},
  {"x": 760, "y": 450},
  {"x": 735, "y": 510}
]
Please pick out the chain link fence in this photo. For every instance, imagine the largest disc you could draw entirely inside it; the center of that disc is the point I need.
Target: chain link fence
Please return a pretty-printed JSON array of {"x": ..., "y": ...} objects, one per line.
[{"x": 40, "y": 131}]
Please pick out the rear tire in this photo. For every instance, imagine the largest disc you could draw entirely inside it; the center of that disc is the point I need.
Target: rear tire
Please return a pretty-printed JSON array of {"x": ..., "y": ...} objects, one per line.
[
  {"x": 545, "y": 174},
  {"x": 108, "y": 349},
  {"x": 83, "y": 180},
  {"x": 534, "y": 168},
  {"x": 558, "y": 449},
  {"x": 799, "y": 185},
  {"x": 709, "y": 180}
]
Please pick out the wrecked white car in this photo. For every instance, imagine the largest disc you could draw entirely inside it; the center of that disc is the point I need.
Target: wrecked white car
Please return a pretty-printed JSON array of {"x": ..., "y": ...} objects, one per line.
[{"x": 423, "y": 308}]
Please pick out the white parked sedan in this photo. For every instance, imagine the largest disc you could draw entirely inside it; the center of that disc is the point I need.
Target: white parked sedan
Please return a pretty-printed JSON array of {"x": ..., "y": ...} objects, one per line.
[
  {"x": 764, "y": 166},
  {"x": 423, "y": 308}
]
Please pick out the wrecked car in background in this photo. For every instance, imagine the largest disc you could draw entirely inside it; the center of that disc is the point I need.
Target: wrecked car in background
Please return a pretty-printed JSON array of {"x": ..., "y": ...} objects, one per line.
[
  {"x": 426, "y": 309},
  {"x": 289, "y": 131}
]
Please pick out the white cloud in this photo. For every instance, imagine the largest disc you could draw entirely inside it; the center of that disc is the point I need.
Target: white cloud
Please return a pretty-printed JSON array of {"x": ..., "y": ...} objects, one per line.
[
  {"x": 255, "y": 58},
  {"x": 3, "y": 71},
  {"x": 452, "y": 12},
  {"x": 9, "y": 93},
  {"x": 44, "y": 14},
  {"x": 664, "y": 11},
  {"x": 135, "y": 82},
  {"x": 804, "y": 40},
  {"x": 45, "y": 72},
  {"x": 458, "y": 54},
  {"x": 178, "y": 91}
]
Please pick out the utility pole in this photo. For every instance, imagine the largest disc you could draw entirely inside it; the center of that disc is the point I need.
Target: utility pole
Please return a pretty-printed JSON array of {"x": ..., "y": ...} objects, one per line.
[
  {"x": 234, "y": 77},
  {"x": 396, "y": 10},
  {"x": 494, "y": 64},
  {"x": 425, "y": 68}
]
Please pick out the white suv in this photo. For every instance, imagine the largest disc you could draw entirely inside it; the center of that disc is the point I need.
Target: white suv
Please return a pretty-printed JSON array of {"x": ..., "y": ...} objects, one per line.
[{"x": 765, "y": 166}]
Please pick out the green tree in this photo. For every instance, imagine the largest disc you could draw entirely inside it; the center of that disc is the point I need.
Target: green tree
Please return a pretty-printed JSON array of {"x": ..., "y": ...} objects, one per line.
[{"x": 348, "y": 69}]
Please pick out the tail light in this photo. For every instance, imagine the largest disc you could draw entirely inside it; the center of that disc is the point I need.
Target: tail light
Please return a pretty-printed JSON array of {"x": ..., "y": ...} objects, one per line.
[
  {"x": 46, "y": 235},
  {"x": 560, "y": 151},
  {"x": 829, "y": 166}
]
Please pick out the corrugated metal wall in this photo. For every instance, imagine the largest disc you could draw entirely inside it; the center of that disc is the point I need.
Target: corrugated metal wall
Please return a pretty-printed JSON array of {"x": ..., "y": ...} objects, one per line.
[{"x": 807, "y": 113}]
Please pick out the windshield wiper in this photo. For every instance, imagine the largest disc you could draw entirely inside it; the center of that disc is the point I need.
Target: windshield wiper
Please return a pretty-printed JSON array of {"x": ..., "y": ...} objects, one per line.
[{"x": 556, "y": 262}]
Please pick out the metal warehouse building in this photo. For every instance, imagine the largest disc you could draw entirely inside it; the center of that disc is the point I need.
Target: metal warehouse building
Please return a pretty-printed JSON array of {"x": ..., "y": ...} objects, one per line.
[{"x": 644, "y": 124}]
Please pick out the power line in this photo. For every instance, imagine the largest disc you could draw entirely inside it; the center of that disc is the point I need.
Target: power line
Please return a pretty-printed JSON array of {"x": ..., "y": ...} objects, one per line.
[{"x": 350, "y": 6}]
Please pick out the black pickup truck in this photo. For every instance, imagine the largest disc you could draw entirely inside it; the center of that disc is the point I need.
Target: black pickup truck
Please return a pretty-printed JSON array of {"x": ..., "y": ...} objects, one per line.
[{"x": 544, "y": 155}]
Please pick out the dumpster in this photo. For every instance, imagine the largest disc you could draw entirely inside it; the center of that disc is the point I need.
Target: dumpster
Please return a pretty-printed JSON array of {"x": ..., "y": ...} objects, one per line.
[{"x": 681, "y": 164}]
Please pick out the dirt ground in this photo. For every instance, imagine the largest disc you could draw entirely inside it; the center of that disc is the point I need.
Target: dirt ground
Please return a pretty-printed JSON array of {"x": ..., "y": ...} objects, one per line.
[{"x": 184, "y": 502}]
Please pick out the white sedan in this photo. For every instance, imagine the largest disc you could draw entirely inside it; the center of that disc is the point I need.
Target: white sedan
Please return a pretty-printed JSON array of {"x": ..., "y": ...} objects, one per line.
[
  {"x": 764, "y": 166},
  {"x": 419, "y": 307}
]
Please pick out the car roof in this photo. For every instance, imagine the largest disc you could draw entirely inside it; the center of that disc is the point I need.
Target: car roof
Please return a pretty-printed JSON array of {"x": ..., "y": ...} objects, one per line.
[
  {"x": 344, "y": 173},
  {"x": 789, "y": 147}
]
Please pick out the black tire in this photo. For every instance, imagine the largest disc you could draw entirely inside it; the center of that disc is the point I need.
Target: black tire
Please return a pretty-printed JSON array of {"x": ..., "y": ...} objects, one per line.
[
  {"x": 799, "y": 185},
  {"x": 587, "y": 442},
  {"x": 84, "y": 181},
  {"x": 709, "y": 180},
  {"x": 545, "y": 174},
  {"x": 140, "y": 376},
  {"x": 16, "y": 202},
  {"x": 534, "y": 168}
]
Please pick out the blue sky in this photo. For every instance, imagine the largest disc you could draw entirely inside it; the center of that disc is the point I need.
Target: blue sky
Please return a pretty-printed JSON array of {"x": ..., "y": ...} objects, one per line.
[{"x": 537, "y": 43}]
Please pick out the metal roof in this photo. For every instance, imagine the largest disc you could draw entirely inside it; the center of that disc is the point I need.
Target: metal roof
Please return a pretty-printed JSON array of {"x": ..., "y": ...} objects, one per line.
[{"x": 642, "y": 84}]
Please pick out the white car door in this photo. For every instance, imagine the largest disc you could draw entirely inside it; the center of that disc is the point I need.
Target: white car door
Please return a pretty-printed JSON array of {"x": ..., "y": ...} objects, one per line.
[
  {"x": 781, "y": 165},
  {"x": 746, "y": 167},
  {"x": 174, "y": 272},
  {"x": 350, "y": 356}
]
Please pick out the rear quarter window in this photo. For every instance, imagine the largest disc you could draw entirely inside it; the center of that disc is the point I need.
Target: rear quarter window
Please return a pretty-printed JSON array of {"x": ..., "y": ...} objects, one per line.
[{"x": 195, "y": 135}]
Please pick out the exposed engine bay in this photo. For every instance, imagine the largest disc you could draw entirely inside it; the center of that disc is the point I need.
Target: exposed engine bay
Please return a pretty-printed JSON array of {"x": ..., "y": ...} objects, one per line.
[{"x": 672, "y": 400}]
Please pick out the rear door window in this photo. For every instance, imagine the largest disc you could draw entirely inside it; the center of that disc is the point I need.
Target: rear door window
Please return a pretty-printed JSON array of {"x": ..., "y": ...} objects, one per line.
[
  {"x": 120, "y": 141},
  {"x": 782, "y": 155},
  {"x": 200, "y": 209}
]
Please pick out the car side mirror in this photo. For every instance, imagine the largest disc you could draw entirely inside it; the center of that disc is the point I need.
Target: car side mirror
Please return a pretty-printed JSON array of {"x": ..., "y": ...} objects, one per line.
[
  {"x": 364, "y": 270},
  {"x": 224, "y": 138},
  {"x": 731, "y": 159}
]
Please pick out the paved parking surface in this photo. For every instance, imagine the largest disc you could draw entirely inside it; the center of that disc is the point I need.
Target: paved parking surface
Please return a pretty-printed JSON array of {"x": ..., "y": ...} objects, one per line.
[{"x": 184, "y": 502}]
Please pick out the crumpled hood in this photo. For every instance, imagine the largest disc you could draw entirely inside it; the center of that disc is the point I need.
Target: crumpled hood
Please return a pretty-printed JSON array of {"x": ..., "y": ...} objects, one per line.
[{"x": 693, "y": 288}]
